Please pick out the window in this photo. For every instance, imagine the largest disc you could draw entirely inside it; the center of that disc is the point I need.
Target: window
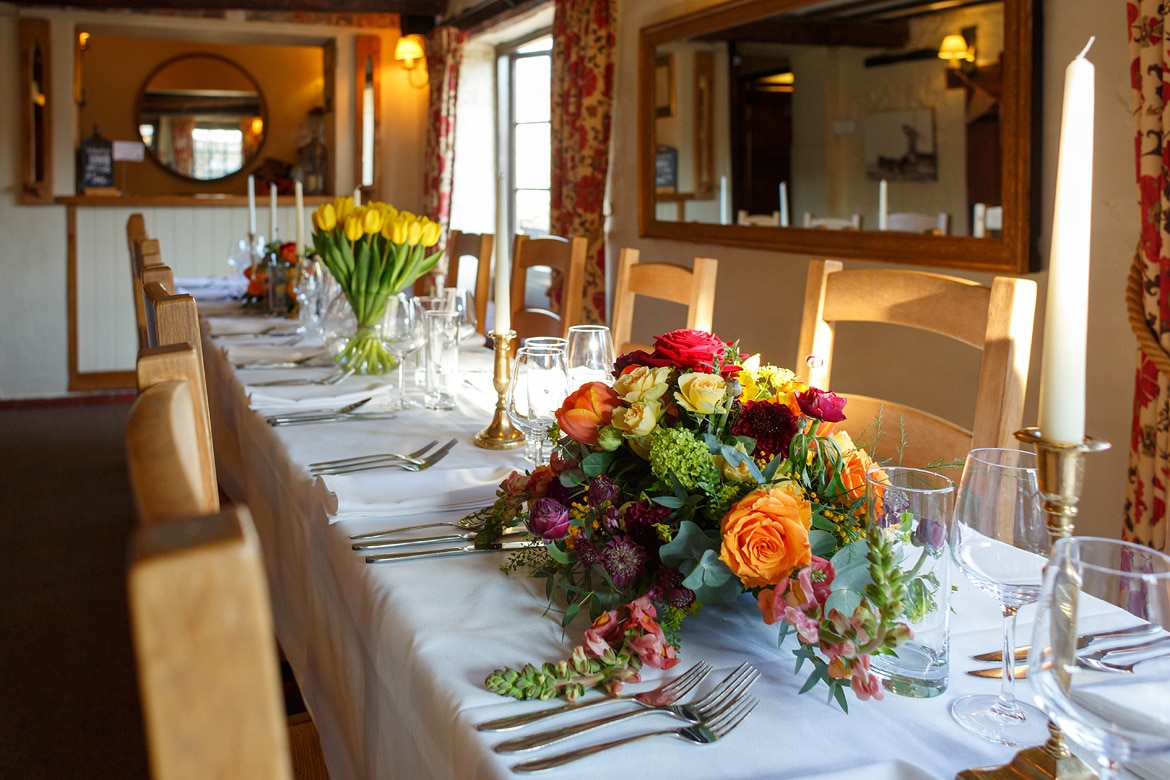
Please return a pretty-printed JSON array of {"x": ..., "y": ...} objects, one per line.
[{"x": 525, "y": 72}]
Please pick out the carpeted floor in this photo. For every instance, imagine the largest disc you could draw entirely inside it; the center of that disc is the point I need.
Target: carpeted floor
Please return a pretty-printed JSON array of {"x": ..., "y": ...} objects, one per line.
[{"x": 68, "y": 697}]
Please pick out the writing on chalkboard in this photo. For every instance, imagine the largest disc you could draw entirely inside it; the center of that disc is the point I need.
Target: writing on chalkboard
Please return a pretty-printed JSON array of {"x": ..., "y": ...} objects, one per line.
[
  {"x": 666, "y": 167},
  {"x": 95, "y": 162}
]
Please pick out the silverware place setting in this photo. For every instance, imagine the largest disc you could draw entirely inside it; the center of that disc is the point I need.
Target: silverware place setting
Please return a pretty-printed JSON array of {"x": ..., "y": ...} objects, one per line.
[
  {"x": 332, "y": 379},
  {"x": 414, "y": 461},
  {"x": 347, "y": 413},
  {"x": 470, "y": 523},
  {"x": 1101, "y": 659},
  {"x": 510, "y": 535},
  {"x": 272, "y": 364}
]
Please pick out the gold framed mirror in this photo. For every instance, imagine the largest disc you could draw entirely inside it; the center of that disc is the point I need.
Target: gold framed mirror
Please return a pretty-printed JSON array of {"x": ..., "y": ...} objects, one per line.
[
  {"x": 36, "y": 120},
  {"x": 368, "y": 104},
  {"x": 847, "y": 110},
  {"x": 201, "y": 116}
]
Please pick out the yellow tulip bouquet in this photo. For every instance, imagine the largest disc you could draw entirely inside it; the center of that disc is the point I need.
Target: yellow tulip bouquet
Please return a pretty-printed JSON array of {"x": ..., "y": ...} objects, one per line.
[{"x": 373, "y": 251}]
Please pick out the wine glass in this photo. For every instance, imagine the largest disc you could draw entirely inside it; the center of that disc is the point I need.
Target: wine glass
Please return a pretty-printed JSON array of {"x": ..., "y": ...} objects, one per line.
[
  {"x": 403, "y": 332},
  {"x": 462, "y": 301},
  {"x": 1092, "y": 584},
  {"x": 539, "y": 385},
  {"x": 999, "y": 540},
  {"x": 589, "y": 354}
]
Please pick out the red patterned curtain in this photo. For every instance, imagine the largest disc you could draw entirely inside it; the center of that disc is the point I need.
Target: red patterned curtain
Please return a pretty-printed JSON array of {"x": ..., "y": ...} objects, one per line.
[
  {"x": 443, "y": 47},
  {"x": 1148, "y": 296},
  {"x": 582, "y": 100}
]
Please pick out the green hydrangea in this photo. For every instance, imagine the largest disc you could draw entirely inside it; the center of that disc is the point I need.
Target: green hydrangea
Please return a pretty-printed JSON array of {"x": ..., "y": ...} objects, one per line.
[{"x": 676, "y": 452}]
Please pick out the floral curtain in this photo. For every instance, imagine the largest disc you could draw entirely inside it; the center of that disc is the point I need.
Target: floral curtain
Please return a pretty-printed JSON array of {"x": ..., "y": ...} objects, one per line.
[
  {"x": 443, "y": 47},
  {"x": 1148, "y": 295},
  {"x": 582, "y": 99}
]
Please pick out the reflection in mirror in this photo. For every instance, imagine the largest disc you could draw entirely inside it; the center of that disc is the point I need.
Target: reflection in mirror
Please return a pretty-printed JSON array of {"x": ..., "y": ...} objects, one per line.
[
  {"x": 368, "y": 102},
  {"x": 813, "y": 114},
  {"x": 35, "y": 107},
  {"x": 201, "y": 116}
]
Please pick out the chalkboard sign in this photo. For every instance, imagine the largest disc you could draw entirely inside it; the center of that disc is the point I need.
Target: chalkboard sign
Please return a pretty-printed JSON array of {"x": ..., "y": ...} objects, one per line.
[
  {"x": 95, "y": 163},
  {"x": 666, "y": 167}
]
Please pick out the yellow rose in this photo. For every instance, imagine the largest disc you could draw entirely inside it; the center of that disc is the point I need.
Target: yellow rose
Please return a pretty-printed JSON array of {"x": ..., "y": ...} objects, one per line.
[
  {"x": 642, "y": 384},
  {"x": 700, "y": 393},
  {"x": 638, "y": 419},
  {"x": 353, "y": 227},
  {"x": 430, "y": 233},
  {"x": 325, "y": 218},
  {"x": 765, "y": 535},
  {"x": 371, "y": 221}
]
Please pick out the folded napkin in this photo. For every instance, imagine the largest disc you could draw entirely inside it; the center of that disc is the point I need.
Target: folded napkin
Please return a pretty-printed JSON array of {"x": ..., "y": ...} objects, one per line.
[
  {"x": 213, "y": 288},
  {"x": 266, "y": 352},
  {"x": 300, "y": 398}
]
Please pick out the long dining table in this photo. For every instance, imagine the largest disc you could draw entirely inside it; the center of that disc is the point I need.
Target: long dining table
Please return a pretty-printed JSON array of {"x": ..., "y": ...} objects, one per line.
[{"x": 391, "y": 658}]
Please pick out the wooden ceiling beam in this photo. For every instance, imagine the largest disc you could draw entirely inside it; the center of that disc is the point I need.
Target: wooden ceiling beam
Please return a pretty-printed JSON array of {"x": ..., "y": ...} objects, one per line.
[
  {"x": 887, "y": 35},
  {"x": 429, "y": 8}
]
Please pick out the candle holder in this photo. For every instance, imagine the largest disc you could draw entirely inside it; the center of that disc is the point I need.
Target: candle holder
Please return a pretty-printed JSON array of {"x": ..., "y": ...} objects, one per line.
[
  {"x": 1060, "y": 474},
  {"x": 500, "y": 433}
]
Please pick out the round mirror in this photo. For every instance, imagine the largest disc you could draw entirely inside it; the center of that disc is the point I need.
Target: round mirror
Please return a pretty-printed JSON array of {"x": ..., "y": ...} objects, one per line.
[{"x": 201, "y": 116}]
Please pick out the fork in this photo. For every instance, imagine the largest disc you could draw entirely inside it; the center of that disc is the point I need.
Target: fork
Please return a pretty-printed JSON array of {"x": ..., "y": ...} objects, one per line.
[
  {"x": 464, "y": 524},
  {"x": 713, "y": 728},
  {"x": 425, "y": 463},
  {"x": 667, "y": 693},
  {"x": 1096, "y": 661},
  {"x": 732, "y": 687},
  {"x": 361, "y": 460},
  {"x": 332, "y": 379}
]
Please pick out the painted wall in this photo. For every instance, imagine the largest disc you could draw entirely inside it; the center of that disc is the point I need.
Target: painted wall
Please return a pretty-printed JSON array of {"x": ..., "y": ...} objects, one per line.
[
  {"x": 760, "y": 293},
  {"x": 33, "y": 333}
]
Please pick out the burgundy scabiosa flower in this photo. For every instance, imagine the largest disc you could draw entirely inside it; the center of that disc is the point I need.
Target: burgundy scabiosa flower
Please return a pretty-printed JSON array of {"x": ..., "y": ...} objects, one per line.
[
  {"x": 668, "y": 589},
  {"x": 624, "y": 560},
  {"x": 601, "y": 489},
  {"x": 772, "y": 425}
]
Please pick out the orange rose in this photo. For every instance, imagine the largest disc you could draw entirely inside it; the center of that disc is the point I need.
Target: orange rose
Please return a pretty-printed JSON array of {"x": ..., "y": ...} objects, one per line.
[
  {"x": 765, "y": 535},
  {"x": 587, "y": 410}
]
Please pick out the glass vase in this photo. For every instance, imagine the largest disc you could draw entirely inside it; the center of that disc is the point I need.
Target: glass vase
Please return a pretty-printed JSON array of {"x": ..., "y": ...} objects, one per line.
[{"x": 353, "y": 344}]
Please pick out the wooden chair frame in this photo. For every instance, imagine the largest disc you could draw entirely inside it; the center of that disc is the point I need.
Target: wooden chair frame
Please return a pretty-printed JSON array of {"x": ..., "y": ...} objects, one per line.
[
  {"x": 692, "y": 287},
  {"x": 479, "y": 246},
  {"x": 997, "y": 320},
  {"x": 563, "y": 255}
]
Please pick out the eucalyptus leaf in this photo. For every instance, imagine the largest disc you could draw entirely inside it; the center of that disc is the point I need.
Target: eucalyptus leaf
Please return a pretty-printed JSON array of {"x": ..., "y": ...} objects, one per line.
[
  {"x": 558, "y": 555},
  {"x": 687, "y": 547},
  {"x": 851, "y": 566},
  {"x": 821, "y": 542},
  {"x": 712, "y": 581},
  {"x": 597, "y": 463}
]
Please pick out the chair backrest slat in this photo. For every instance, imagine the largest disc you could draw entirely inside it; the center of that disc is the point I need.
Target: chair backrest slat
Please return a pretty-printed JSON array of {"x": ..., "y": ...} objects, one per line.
[{"x": 691, "y": 287}]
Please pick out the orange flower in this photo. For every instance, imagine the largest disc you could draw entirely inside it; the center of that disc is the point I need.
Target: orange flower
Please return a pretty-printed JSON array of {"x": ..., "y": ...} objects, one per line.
[
  {"x": 765, "y": 535},
  {"x": 587, "y": 410},
  {"x": 855, "y": 463}
]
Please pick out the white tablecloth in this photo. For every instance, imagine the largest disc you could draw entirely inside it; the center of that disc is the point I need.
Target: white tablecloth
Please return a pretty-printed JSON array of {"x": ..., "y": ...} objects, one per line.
[{"x": 391, "y": 658}]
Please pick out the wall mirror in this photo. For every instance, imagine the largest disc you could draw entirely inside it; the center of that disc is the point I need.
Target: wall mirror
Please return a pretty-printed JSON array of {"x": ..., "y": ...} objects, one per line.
[
  {"x": 201, "y": 116},
  {"x": 837, "y": 128}
]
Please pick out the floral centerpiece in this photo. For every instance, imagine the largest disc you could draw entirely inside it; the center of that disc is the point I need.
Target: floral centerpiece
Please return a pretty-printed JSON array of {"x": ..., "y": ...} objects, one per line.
[
  {"x": 697, "y": 476},
  {"x": 373, "y": 251}
]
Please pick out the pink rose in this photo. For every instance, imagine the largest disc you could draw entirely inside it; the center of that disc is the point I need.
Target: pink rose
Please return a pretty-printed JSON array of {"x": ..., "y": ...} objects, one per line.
[{"x": 822, "y": 404}]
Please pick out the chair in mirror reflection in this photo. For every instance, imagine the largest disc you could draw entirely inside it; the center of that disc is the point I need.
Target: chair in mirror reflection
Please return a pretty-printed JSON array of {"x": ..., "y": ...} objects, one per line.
[
  {"x": 478, "y": 246},
  {"x": 691, "y": 287},
  {"x": 995, "y": 320},
  {"x": 832, "y": 223},
  {"x": 768, "y": 220},
  {"x": 565, "y": 258},
  {"x": 931, "y": 224}
]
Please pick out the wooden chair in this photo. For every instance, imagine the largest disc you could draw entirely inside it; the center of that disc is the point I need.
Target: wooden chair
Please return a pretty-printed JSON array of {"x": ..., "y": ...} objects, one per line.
[
  {"x": 906, "y": 221},
  {"x": 208, "y": 675},
  {"x": 479, "y": 246},
  {"x": 162, "y": 274},
  {"x": 744, "y": 218},
  {"x": 694, "y": 288},
  {"x": 566, "y": 257},
  {"x": 997, "y": 320},
  {"x": 160, "y": 453},
  {"x": 832, "y": 223},
  {"x": 170, "y": 319}
]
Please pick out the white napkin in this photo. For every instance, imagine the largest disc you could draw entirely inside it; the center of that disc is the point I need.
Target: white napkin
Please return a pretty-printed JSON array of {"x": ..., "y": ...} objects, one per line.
[
  {"x": 299, "y": 398},
  {"x": 212, "y": 288}
]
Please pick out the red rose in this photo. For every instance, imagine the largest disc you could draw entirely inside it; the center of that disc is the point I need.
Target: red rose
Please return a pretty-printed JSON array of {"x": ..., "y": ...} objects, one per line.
[
  {"x": 587, "y": 410},
  {"x": 689, "y": 349}
]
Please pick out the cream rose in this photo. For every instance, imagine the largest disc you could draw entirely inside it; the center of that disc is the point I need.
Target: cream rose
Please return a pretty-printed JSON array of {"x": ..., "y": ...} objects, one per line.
[
  {"x": 700, "y": 393},
  {"x": 642, "y": 384},
  {"x": 765, "y": 535},
  {"x": 638, "y": 419}
]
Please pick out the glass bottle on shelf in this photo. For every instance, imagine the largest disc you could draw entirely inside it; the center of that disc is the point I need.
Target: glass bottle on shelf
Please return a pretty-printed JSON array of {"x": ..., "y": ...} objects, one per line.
[{"x": 313, "y": 156}]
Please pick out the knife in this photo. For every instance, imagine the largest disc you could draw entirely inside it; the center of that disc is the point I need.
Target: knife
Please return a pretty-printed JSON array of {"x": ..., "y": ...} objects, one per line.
[
  {"x": 1083, "y": 641},
  {"x": 471, "y": 548},
  {"x": 454, "y": 536},
  {"x": 335, "y": 417},
  {"x": 997, "y": 672}
]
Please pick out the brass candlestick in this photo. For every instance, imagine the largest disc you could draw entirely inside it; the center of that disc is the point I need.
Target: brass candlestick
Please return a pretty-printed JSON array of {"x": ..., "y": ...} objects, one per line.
[
  {"x": 500, "y": 433},
  {"x": 1060, "y": 468}
]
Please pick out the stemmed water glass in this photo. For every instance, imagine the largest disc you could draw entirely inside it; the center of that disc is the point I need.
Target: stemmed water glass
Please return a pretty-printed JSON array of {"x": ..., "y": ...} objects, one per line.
[
  {"x": 403, "y": 332},
  {"x": 589, "y": 354},
  {"x": 462, "y": 301},
  {"x": 999, "y": 540},
  {"x": 540, "y": 382},
  {"x": 1115, "y": 708}
]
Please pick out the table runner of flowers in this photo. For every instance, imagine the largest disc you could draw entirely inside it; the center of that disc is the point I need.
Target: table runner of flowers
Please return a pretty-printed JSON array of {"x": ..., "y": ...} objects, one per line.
[{"x": 701, "y": 474}]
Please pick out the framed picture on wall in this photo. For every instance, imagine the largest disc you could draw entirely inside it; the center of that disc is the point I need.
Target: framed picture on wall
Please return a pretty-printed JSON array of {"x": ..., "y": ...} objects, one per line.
[
  {"x": 664, "y": 86},
  {"x": 899, "y": 145},
  {"x": 666, "y": 168}
]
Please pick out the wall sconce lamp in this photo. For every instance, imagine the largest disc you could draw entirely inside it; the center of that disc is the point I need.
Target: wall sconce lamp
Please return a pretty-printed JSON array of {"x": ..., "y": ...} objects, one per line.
[
  {"x": 959, "y": 50},
  {"x": 409, "y": 51},
  {"x": 78, "y": 87}
]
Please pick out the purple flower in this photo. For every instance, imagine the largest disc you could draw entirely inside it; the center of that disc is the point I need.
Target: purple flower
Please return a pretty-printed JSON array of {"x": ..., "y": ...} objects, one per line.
[
  {"x": 601, "y": 489},
  {"x": 548, "y": 519},
  {"x": 587, "y": 553},
  {"x": 894, "y": 503},
  {"x": 624, "y": 561},
  {"x": 822, "y": 404},
  {"x": 641, "y": 518},
  {"x": 929, "y": 534},
  {"x": 668, "y": 589},
  {"x": 771, "y": 424}
]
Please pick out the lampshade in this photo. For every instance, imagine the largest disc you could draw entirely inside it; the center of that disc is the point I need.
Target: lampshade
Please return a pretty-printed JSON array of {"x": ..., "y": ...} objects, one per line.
[
  {"x": 954, "y": 47},
  {"x": 408, "y": 50}
]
